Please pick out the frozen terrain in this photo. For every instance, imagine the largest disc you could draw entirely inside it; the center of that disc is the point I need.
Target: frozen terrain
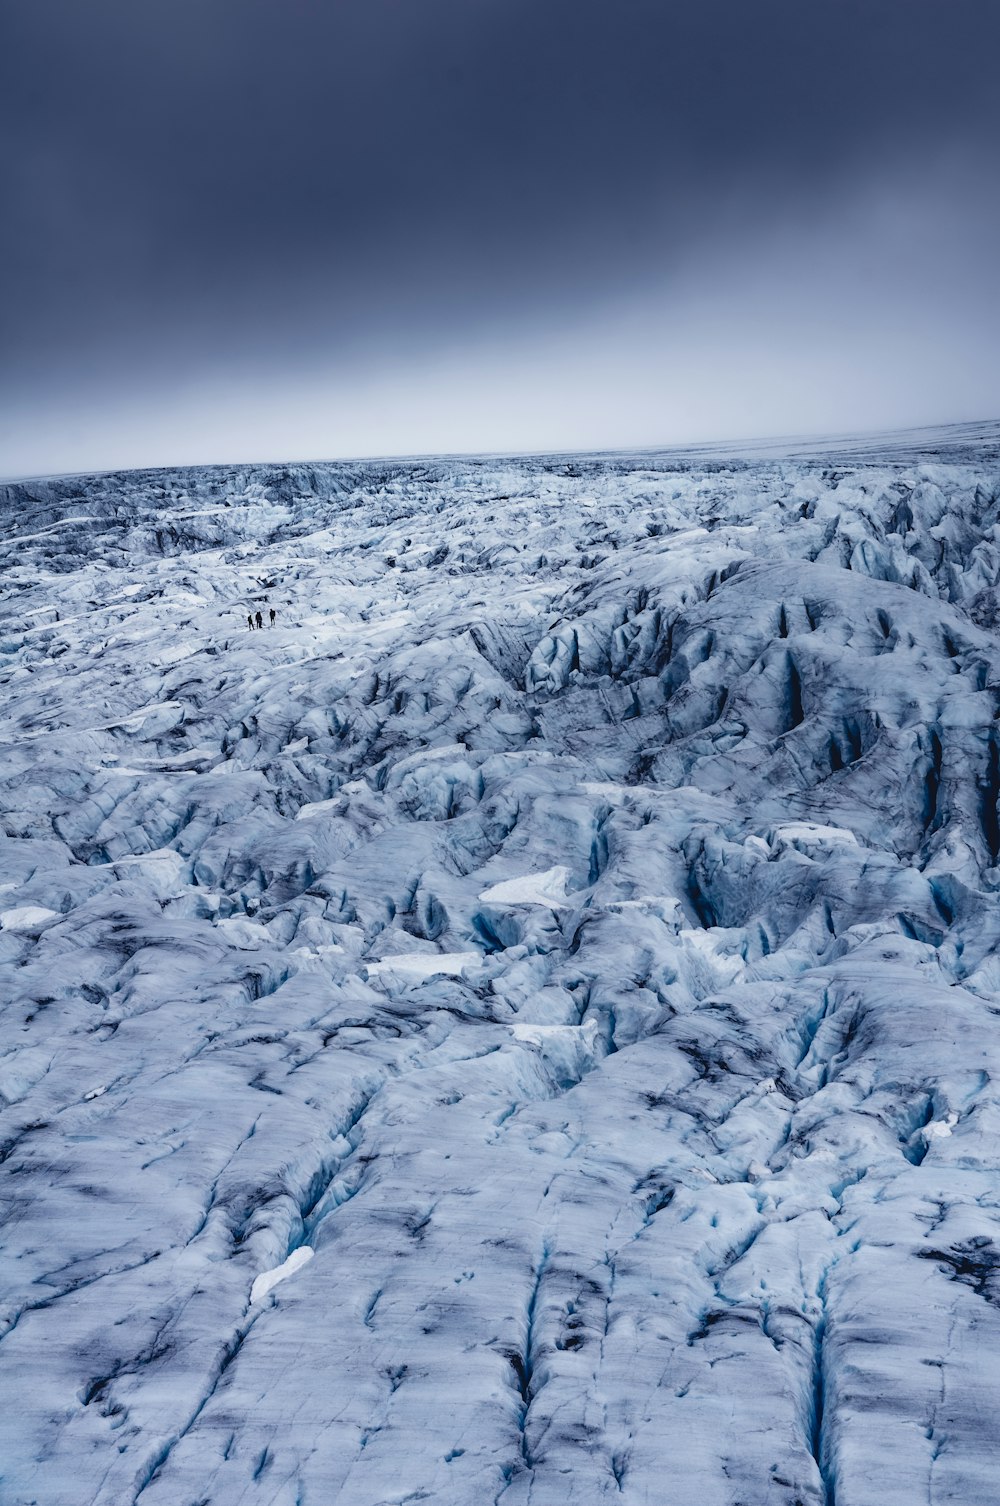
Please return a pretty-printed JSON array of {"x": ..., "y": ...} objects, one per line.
[{"x": 526, "y": 1028}]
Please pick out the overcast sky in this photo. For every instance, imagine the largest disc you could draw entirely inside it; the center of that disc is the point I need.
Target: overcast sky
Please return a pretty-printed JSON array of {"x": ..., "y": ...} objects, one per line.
[{"x": 268, "y": 229}]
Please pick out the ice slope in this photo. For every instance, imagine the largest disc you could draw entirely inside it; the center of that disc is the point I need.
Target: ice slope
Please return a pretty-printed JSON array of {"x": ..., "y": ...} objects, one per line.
[{"x": 527, "y": 1028}]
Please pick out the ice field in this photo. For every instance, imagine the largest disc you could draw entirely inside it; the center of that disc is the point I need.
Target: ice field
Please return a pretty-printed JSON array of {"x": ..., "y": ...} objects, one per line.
[{"x": 526, "y": 1027}]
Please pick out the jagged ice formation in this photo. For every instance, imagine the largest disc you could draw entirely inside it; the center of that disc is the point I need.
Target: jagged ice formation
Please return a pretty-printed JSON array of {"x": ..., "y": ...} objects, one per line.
[{"x": 527, "y": 1027}]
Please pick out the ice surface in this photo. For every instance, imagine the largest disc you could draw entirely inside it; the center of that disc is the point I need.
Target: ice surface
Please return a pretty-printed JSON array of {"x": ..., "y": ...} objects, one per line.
[
  {"x": 548, "y": 888},
  {"x": 268, "y": 1280},
  {"x": 575, "y": 923},
  {"x": 424, "y": 964},
  {"x": 26, "y": 917}
]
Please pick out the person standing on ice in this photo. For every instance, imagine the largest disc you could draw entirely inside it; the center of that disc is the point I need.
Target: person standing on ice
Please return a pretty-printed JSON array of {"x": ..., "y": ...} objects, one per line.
[
  {"x": 273, "y": 616},
  {"x": 260, "y": 620},
  {"x": 250, "y": 622}
]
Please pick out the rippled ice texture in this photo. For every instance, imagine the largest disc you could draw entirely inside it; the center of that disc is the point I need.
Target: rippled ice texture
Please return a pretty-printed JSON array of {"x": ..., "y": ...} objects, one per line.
[{"x": 575, "y": 922}]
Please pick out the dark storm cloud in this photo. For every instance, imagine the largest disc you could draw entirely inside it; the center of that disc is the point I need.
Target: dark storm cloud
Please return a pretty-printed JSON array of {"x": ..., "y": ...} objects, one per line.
[{"x": 273, "y": 181}]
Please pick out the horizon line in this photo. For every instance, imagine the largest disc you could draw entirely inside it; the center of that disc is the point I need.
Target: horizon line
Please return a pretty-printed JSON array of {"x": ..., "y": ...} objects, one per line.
[{"x": 723, "y": 446}]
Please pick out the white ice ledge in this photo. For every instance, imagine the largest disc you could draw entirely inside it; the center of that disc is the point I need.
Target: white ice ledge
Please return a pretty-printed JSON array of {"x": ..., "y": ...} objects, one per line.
[{"x": 268, "y": 1280}]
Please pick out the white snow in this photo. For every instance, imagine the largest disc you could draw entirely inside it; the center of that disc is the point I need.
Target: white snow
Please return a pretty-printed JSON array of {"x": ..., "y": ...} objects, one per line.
[
  {"x": 425, "y": 964},
  {"x": 268, "y": 1280},
  {"x": 940, "y": 1129},
  {"x": 806, "y": 835},
  {"x": 548, "y": 888},
  {"x": 26, "y": 917},
  {"x": 316, "y": 808}
]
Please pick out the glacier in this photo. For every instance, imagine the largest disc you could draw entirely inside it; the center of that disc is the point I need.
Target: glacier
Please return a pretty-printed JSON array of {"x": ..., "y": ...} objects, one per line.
[{"x": 526, "y": 1027}]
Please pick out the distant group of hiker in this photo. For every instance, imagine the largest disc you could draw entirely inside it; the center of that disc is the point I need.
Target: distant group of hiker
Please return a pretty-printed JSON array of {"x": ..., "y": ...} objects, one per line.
[{"x": 256, "y": 620}]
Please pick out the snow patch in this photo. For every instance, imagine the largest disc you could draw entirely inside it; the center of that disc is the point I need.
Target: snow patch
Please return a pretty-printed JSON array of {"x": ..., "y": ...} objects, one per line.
[
  {"x": 940, "y": 1129},
  {"x": 27, "y": 918},
  {"x": 268, "y": 1280},
  {"x": 425, "y": 964},
  {"x": 809, "y": 835},
  {"x": 548, "y": 888}
]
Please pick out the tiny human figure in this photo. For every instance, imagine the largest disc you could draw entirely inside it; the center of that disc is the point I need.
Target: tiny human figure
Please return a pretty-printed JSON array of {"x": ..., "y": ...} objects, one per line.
[
  {"x": 249, "y": 622},
  {"x": 260, "y": 620},
  {"x": 273, "y": 616}
]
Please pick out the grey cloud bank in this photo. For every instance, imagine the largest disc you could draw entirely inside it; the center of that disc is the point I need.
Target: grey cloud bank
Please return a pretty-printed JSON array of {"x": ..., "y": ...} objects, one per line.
[{"x": 236, "y": 230}]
